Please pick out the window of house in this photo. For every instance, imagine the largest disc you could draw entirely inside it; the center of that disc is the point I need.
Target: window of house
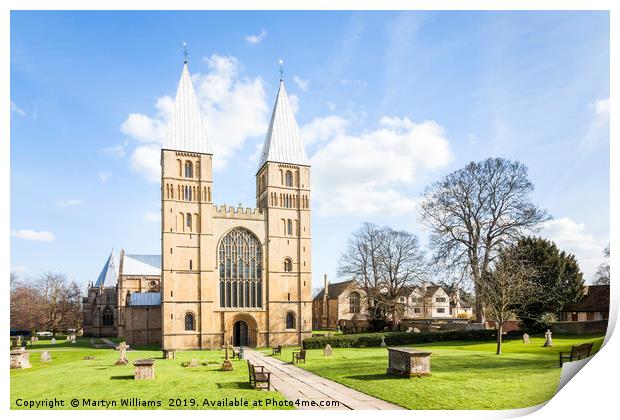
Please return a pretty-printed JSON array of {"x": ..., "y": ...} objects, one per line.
[
  {"x": 354, "y": 303},
  {"x": 440, "y": 299},
  {"x": 240, "y": 269},
  {"x": 416, "y": 310},
  {"x": 290, "y": 321},
  {"x": 107, "y": 317},
  {"x": 189, "y": 322},
  {"x": 288, "y": 265},
  {"x": 441, "y": 310}
]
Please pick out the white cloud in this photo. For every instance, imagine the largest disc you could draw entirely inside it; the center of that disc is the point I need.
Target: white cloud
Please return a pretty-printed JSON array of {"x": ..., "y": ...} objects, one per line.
[
  {"x": 18, "y": 269},
  {"x": 572, "y": 237},
  {"x": 33, "y": 235},
  {"x": 104, "y": 176},
  {"x": 294, "y": 101},
  {"x": 152, "y": 217},
  {"x": 598, "y": 129},
  {"x": 255, "y": 39},
  {"x": 363, "y": 174},
  {"x": 323, "y": 129},
  {"x": 16, "y": 109},
  {"x": 602, "y": 106},
  {"x": 301, "y": 84},
  {"x": 235, "y": 109},
  {"x": 117, "y": 151},
  {"x": 71, "y": 203},
  {"x": 353, "y": 82}
]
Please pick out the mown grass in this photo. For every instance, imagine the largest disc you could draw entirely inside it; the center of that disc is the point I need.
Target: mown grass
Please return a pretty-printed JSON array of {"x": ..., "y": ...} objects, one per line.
[
  {"x": 465, "y": 375},
  {"x": 68, "y": 376}
]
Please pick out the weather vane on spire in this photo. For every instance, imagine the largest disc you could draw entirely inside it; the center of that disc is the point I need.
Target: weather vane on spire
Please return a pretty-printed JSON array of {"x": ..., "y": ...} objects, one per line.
[
  {"x": 185, "y": 53},
  {"x": 281, "y": 69}
]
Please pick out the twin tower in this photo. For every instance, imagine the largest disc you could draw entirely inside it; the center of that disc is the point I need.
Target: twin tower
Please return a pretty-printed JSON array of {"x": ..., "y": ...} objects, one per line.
[{"x": 233, "y": 275}]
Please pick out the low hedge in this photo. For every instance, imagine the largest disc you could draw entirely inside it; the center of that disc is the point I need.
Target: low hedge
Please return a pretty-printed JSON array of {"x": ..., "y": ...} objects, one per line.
[{"x": 397, "y": 338}]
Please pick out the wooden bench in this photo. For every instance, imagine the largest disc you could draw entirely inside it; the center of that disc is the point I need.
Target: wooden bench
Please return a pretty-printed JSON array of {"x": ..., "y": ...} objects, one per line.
[
  {"x": 276, "y": 350},
  {"x": 299, "y": 355},
  {"x": 578, "y": 352},
  {"x": 258, "y": 375}
]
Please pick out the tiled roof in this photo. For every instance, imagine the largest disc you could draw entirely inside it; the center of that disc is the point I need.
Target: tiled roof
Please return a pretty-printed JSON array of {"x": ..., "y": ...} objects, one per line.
[
  {"x": 334, "y": 290},
  {"x": 141, "y": 265},
  {"x": 187, "y": 129},
  {"x": 282, "y": 143},
  {"x": 595, "y": 299},
  {"x": 145, "y": 299},
  {"x": 109, "y": 273}
]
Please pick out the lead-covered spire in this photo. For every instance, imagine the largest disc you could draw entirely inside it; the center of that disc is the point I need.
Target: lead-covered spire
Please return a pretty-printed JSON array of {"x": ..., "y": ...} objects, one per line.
[
  {"x": 282, "y": 143},
  {"x": 186, "y": 130},
  {"x": 109, "y": 274}
]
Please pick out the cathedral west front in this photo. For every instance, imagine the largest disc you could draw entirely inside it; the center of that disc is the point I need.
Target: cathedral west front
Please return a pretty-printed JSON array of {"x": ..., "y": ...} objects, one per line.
[{"x": 225, "y": 274}]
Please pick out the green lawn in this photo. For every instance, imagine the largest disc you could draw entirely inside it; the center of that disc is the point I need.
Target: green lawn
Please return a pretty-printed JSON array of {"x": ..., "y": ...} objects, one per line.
[
  {"x": 465, "y": 375},
  {"x": 68, "y": 376}
]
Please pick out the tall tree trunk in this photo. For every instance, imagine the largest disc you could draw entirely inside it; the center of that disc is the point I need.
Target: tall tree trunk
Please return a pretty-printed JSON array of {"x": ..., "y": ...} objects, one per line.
[{"x": 500, "y": 330}]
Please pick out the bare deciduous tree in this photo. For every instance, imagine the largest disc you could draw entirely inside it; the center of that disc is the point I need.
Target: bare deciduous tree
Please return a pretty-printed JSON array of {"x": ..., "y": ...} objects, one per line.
[
  {"x": 509, "y": 286},
  {"x": 603, "y": 274},
  {"x": 61, "y": 302},
  {"x": 474, "y": 212},
  {"x": 383, "y": 262},
  {"x": 26, "y": 305}
]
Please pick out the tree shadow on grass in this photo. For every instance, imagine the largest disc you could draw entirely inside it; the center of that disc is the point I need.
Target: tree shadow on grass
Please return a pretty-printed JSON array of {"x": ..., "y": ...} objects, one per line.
[
  {"x": 121, "y": 377},
  {"x": 374, "y": 377},
  {"x": 233, "y": 385}
]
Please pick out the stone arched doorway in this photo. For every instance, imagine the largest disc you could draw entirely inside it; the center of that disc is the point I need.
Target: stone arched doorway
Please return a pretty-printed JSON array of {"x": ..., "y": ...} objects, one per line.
[
  {"x": 241, "y": 330},
  {"x": 241, "y": 334}
]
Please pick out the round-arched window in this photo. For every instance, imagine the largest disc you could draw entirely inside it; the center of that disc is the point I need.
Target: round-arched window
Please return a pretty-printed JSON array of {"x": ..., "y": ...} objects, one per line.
[
  {"x": 189, "y": 322},
  {"x": 288, "y": 265},
  {"x": 240, "y": 259},
  {"x": 290, "y": 321}
]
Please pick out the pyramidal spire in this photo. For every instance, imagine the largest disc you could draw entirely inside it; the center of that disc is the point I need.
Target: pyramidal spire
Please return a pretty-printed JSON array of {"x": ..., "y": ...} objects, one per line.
[
  {"x": 186, "y": 130},
  {"x": 109, "y": 274},
  {"x": 282, "y": 143}
]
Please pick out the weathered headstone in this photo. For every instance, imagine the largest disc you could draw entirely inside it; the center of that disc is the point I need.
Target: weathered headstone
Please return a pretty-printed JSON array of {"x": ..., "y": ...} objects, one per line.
[
  {"x": 122, "y": 357},
  {"x": 193, "y": 363},
  {"x": 327, "y": 351},
  {"x": 408, "y": 362},
  {"x": 34, "y": 339},
  {"x": 226, "y": 365},
  {"x": 53, "y": 341},
  {"x": 46, "y": 356},
  {"x": 548, "y": 339},
  {"x": 144, "y": 369},
  {"x": 410, "y": 329},
  {"x": 416, "y": 330},
  {"x": 168, "y": 353},
  {"x": 382, "y": 341},
  {"x": 526, "y": 338},
  {"x": 73, "y": 339},
  {"x": 20, "y": 359}
]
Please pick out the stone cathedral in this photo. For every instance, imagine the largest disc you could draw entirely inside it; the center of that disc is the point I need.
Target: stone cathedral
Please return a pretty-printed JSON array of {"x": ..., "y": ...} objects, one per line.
[{"x": 225, "y": 274}]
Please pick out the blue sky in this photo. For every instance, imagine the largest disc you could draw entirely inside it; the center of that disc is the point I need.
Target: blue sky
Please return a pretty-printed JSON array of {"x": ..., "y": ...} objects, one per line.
[{"x": 387, "y": 102}]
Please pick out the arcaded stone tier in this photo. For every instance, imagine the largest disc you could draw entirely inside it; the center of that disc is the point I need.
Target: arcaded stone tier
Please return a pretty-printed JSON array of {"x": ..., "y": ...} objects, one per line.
[{"x": 409, "y": 362}]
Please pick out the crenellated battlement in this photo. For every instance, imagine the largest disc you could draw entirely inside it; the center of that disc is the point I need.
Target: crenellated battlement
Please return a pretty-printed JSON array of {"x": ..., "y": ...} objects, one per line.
[{"x": 242, "y": 213}]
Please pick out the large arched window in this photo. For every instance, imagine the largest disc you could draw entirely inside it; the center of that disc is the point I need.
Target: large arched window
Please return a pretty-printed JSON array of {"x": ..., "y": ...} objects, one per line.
[
  {"x": 189, "y": 322},
  {"x": 354, "y": 303},
  {"x": 288, "y": 265},
  {"x": 289, "y": 179},
  {"x": 240, "y": 259},
  {"x": 189, "y": 170},
  {"x": 108, "y": 317},
  {"x": 290, "y": 321}
]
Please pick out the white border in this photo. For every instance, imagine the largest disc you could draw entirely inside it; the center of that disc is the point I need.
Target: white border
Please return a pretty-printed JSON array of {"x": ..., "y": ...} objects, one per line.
[{"x": 590, "y": 394}]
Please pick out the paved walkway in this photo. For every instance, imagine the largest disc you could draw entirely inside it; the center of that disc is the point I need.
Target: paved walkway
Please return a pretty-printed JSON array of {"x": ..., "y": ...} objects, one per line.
[{"x": 296, "y": 383}]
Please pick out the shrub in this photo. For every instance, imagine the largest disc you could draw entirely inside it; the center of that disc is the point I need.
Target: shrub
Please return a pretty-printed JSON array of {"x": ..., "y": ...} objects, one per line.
[{"x": 397, "y": 338}]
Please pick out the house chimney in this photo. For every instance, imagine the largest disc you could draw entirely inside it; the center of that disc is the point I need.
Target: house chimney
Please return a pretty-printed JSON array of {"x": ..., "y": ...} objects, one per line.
[{"x": 425, "y": 285}]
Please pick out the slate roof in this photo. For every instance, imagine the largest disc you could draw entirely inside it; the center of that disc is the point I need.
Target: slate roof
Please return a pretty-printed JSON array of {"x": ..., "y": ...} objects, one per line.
[
  {"x": 141, "y": 265},
  {"x": 595, "y": 299},
  {"x": 145, "y": 299},
  {"x": 187, "y": 129},
  {"x": 109, "y": 273},
  {"x": 283, "y": 143},
  {"x": 334, "y": 289}
]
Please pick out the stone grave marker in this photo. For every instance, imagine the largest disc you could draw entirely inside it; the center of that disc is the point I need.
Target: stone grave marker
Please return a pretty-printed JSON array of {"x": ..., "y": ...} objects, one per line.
[
  {"x": 382, "y": 341},
  {"x": 526, "y": 338},
  {"x": 193, "y": 363},
  {"x": 122, "y": 357},
  {"x": 46, "y": 356},
  {"x": 226, "y": 365},
  {"x": 548, "y": 339},
  {"x": 144, "y": 369},
  {"x": 327, "y": 351},
  {"x": 53, "y": 340},
  {"x": 20, "y": 359}
]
